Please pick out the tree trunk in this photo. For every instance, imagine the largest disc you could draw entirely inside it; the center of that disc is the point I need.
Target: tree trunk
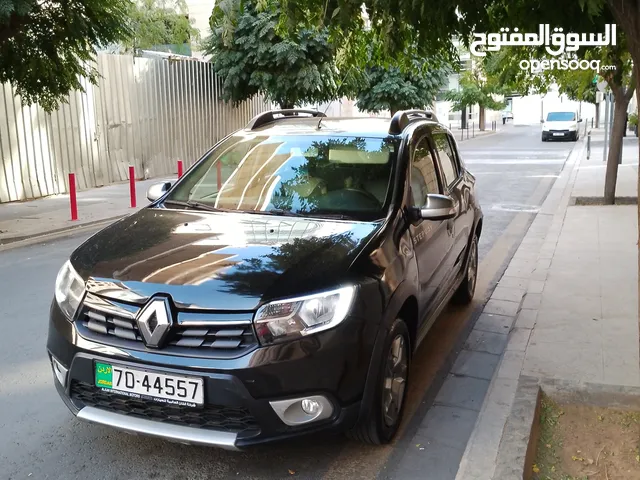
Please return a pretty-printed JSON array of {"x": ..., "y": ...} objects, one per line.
[
  {"x": 597, "y": 104},
  {"x": 463, "y": 118},
  {"x": 481, "y": 120},
  {"x": 615, "y": 148}
]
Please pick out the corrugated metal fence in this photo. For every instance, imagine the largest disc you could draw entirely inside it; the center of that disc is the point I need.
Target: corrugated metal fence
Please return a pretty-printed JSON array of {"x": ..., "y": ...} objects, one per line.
[{"x": 146, "y": 112}]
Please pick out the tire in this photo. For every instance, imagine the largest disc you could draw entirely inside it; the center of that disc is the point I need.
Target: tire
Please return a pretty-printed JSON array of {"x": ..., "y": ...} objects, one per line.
[
  {"x": 466, "y": 290},
  {"x": 544, "y": 138},
  {"x": 378, "y": 428}
]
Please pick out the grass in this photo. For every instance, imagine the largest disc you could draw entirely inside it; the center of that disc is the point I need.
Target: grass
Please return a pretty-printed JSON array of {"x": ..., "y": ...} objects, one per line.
[{"x": 548, "y": 443}]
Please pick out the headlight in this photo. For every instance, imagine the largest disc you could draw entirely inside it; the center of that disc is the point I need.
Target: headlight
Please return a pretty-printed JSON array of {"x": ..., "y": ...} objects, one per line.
[
  {"x": 69, "y": 290},
  {"x": 545, "y": 127},
  {"x": 294, "y": 318}
]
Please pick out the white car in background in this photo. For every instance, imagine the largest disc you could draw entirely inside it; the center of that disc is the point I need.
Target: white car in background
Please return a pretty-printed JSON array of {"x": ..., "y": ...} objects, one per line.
[{"x": 561, "y": 125}]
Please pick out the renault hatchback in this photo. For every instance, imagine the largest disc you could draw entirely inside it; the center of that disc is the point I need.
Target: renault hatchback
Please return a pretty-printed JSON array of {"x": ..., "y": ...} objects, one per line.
[{"x": 278, "y": 288}]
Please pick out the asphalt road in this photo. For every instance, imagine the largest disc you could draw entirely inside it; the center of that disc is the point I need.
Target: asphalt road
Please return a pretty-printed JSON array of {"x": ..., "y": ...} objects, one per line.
[{"x": 41, "y": 439}]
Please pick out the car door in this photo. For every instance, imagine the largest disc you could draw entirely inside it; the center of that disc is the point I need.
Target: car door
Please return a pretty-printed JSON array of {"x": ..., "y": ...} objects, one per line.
[
  {"x": 432, "y": 239},
  {"x": 456, "y": 188}
]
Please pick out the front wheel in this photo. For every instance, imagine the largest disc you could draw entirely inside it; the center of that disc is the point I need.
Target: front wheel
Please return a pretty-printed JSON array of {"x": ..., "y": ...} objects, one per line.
[
  {"x": 382, "y": 422},
  {"x": 467, "y": 288}
]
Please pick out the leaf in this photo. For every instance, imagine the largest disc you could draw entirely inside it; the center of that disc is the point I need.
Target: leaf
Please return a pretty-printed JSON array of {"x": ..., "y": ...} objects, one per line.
[
  {"x": 535, "y": 468},
  {"x": 292, "y": 472}
]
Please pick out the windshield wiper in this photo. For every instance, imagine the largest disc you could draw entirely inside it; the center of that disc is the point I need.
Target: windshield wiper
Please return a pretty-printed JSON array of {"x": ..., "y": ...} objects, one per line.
[
  {"x": 192, "y": 204},
  {"x": 284, "y": 213},
  {"x": 339, "y": 216}
]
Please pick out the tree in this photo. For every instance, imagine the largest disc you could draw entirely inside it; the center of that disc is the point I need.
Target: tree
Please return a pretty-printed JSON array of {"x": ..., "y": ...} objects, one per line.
[
  {"x": 253, "y": 54},
  {"x": 161, "y": 25},
  {"x": 474, "y": 90},
  {"x": 47, "y": 46},
  {"x": 410, "y": 83}
]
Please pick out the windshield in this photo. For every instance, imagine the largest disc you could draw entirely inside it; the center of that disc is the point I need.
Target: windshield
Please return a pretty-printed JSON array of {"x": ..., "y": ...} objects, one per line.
[
  {"x": 561, "y": 117},
  {"x": 305, "y": 175}
]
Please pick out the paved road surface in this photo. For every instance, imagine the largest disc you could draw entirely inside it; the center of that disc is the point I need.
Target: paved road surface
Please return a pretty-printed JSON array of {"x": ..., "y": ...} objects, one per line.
[{"x": 40, "y": 438}]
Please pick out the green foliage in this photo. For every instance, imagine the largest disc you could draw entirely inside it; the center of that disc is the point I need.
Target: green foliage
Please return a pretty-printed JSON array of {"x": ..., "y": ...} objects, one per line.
[
  {"x": 46, "y": 46},
  {"x": 252, "y": 53},
  {"x": 396, "y": 88},
  {"x": 433, "y": 24},
  {"x": 633, "y": 119},
  {"x": 474, "y": 90},
  {"x": 157, "y": 25},
  {"x": 504, "y": 67}
]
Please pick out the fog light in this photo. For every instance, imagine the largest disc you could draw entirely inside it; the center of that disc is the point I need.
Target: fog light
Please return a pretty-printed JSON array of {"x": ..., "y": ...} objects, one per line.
[
  {"x": 310, "y": 407},
  {"x": 298, "y": 411},
  {"x": 59, "y": 371}
]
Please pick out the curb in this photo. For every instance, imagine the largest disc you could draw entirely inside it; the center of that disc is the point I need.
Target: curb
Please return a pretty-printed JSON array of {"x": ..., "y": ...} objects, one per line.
[
  {"x": 25, "y": 240},
  {"x": 517, "y": 450}
]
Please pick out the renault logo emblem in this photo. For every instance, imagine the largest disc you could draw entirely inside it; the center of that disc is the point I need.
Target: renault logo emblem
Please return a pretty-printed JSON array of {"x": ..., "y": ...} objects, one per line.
[{"x": 154, "y": 321}]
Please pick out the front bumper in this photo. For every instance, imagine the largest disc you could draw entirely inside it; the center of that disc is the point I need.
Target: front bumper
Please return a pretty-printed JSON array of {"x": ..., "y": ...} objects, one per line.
[
  {"x": 558, "y": 134},
  {"x": 239, "y": 392}
]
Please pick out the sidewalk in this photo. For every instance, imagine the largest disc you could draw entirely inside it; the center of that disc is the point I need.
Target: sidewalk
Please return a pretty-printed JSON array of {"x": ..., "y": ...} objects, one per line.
[
  {"x": 50, "y": 215},
  {"x": 590, "y": 179},
  {"x": 569, "y": 300}
]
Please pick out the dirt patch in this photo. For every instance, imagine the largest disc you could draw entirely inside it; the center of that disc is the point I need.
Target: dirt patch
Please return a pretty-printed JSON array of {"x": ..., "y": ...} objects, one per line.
[{"x": 579, "y": 442}]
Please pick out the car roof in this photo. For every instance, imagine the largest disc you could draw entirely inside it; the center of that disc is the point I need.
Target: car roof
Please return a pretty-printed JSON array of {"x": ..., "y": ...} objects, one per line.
[{"x": 348, "y": 126}]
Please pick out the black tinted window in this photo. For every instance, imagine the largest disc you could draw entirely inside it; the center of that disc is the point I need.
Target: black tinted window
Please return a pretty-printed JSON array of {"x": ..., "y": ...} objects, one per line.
[
  {"x": 447, "y": 157},
  {"x": 294, "y": 173},
  {"x": 424, "y": 179}
]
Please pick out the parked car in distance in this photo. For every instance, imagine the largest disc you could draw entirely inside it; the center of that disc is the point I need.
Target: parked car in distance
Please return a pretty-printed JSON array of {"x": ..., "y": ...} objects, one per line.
[
  {"x": 279, "y": 288},
  {"x": 561, "y": 125}
]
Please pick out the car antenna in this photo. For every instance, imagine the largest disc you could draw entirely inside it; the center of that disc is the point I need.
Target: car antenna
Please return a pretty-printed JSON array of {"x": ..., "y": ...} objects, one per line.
[
  {"x": 331, "y": 102},
  {"x": 324, "y": 114}
]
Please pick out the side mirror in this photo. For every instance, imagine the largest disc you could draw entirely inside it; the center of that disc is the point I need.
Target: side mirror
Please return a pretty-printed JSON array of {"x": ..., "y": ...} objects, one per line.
[
  {"x": 541, "y": 121},
  {"x": 438, "y": 207},
  {"x": 580, "y": 121},
  {"x": 157, "y": 190}
]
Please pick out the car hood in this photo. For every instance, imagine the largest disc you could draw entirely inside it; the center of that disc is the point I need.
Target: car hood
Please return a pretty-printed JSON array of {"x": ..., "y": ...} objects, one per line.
[{"x": 225, "y": 261}]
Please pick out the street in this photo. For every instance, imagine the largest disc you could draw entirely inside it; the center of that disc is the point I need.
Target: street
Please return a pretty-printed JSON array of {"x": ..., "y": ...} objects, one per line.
[{"x": 41, "y": 439}]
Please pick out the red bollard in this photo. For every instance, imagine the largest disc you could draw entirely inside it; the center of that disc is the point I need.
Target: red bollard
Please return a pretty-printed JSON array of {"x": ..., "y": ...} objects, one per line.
[
  {"x": 180, "y": 171},
  {"x": 219, "y": 170},
  {"x": 132, "y": 186},
  {"x": 72, "y": 196}
]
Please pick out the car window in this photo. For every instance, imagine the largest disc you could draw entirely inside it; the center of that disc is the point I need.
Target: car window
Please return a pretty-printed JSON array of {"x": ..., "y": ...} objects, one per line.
[
  {"x": 301, "y": 174},
  {"x": 447, "y": 158},
  {"x": 424, "y": 179}
]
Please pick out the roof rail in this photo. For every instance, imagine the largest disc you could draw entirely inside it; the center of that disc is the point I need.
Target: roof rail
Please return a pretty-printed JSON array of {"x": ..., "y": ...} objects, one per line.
[
  {"x": 270, "y": 116},
  {"x": 402, "y": 118}
]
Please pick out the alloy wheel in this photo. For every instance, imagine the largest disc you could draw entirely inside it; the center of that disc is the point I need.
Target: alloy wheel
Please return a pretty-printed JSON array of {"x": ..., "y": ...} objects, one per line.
[
  {"x": 395, "y": 380},
  {"x": 472, "y": 269}
]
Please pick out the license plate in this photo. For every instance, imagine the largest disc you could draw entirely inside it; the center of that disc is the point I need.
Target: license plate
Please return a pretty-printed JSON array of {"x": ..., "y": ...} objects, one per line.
[
  {"x": 162, "y": 388},
  {"x": 558, "y": 134}
]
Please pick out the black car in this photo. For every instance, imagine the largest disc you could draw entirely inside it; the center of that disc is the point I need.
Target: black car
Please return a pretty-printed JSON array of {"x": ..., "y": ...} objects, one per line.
[{"x": 278, "y": 288}]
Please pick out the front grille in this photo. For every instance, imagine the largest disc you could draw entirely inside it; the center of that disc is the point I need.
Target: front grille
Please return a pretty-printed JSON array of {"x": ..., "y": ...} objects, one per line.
[
  {"x": 209, "y": 334},
  {"x": 559, "y": 131},
  {"x": 211, "y": 417}
]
